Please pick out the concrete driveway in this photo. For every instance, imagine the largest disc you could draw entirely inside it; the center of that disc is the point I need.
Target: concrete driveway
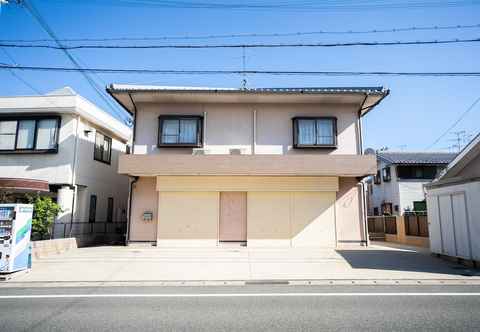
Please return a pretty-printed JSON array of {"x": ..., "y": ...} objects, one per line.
[{"x": 143, "y": 265}]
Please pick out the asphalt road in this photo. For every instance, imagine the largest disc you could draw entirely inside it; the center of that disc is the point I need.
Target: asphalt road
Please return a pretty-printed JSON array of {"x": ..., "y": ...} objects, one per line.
[{"x": 249, "y": 308}]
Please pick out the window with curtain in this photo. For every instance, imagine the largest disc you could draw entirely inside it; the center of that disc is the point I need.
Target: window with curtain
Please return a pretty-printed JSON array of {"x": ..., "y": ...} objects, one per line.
[
  {"x": 29, "y": 134},
  {"x": 103, "y": 148},
  {"x": 315, "y": 132},
  {"x": 180, "y": 130},
  {"x": 8, "y": 132}
]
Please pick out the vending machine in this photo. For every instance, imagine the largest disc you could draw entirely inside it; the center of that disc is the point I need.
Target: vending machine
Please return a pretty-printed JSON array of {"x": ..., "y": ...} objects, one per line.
[{"x": 15, "y": 230}]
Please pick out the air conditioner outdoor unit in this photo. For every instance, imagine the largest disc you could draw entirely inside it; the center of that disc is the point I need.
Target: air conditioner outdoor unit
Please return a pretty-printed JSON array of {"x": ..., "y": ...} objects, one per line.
[{"x": 200, "y": 152}]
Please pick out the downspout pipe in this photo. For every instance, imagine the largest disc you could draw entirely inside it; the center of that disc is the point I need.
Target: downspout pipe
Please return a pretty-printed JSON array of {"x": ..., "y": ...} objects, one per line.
[
  {"x": 362, "y": 183},
  {"x": 133, "y": 179},
  {"x": 74, "y": 173}
]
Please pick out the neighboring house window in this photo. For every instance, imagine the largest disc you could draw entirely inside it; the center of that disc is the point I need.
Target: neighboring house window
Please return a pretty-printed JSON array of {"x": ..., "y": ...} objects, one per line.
[
  {"x": 93, "y": 208},
  {"x": 387, "y": 174},
  {"x": 387, "y": 208},
  {"x": 416, "y": 172},
  {"x": 375, "y": 211},
  {"x": 103, "y": 148},
  {"x": 420, "y": 206},
  {"x": 314, "y": 132},
  {"x": 376, "y": 178},
  {"x": 396, "y": 208},
  {"x": 31, "y": 134},
  {"x": 180, "y": 131},
  {"x": 110, "y": 209}
]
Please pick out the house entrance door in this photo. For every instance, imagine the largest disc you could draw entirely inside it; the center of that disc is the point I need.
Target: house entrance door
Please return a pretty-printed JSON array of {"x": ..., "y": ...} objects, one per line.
[{"x": 233, "y": 217}]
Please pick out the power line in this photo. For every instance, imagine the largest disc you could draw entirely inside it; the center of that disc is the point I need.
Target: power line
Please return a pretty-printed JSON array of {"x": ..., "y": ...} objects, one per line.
[
  {"x": 214, "y": 46},
  {"x": 18, "y": 77},
  {"x": 460, "y": 118},
  {"x": 36, "y": 14},
  {"x": 241, "y": 72},
  {"x": 254, "y": 35},
  {"x": 291, "y": 5}
]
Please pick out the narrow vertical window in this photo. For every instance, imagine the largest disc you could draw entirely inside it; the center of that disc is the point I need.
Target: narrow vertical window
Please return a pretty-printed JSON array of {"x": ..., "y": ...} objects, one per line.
[
  {"x": 110, "y": 209},
  {"x": 93, "y": 208},
  {"x": 103, "y": 148}
]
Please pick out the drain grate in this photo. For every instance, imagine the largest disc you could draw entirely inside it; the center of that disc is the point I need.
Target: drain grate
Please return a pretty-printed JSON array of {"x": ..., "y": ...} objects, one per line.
[{"x": 267, "y": 282}]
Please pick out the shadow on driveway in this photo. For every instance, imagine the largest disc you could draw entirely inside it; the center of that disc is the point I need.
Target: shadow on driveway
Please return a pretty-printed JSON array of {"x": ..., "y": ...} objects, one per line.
[{"x": 396, "y": 260}]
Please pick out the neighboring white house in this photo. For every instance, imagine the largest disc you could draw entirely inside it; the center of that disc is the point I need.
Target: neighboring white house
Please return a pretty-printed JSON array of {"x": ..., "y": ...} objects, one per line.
[
  {"x": 453, "y": 201},
  {"x": 401, "y": 176},
  {"x": 62, "y": 145}
]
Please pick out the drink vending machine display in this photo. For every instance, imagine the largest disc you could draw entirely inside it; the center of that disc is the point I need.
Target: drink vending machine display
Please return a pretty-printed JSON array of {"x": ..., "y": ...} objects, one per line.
[{"x": 15, "y": 230}]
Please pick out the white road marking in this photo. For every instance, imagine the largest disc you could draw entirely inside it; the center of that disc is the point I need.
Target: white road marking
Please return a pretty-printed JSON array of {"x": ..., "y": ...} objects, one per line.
[{"x": 59, "y": 296}]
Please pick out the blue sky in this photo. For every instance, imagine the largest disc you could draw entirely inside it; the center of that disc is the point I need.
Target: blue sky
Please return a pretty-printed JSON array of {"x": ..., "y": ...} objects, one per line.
[{"x": 415, "y": 114}]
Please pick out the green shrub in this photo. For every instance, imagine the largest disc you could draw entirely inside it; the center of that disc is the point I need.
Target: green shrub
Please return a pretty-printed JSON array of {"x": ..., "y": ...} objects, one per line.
[{"x": 44, "y": 212}]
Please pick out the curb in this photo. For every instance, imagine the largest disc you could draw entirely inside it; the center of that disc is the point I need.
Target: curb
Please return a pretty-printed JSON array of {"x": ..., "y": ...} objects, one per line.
[{"x": 200, "y": 283}]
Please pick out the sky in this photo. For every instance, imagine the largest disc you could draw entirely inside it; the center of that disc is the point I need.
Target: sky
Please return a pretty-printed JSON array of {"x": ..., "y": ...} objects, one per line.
[{"x": 415, "y": 114}]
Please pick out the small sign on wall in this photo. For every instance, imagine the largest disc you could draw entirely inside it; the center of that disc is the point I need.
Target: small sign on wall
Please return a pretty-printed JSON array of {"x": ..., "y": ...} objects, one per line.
[{"x": 147, "y": 216}]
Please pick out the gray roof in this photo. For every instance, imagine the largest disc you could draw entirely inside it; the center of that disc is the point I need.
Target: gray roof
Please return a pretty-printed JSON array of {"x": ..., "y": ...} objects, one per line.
[
  {"x": 416, "y": 157},
  {"x": 130, "y": 87}
]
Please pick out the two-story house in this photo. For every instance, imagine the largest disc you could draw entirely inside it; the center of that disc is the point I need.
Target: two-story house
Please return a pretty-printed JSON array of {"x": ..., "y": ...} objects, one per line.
[
  {"x": 256, "y": 167},
  {"x": 398, "y": 185},
  {"x": 62, "y": 145}
]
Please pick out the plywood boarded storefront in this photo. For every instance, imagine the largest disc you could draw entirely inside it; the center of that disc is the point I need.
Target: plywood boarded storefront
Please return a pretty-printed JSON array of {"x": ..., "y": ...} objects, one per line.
[{"x": 280, "y": 211}]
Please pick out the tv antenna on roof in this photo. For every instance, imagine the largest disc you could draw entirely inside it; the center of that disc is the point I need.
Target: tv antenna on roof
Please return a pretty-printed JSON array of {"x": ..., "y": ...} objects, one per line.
[{"x": 244, "y": 66}]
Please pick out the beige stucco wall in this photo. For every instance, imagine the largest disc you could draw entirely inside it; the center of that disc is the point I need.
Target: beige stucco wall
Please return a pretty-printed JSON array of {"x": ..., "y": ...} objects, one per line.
[
  {"x": 188, "y": 219},
  {"x": 144, "y": 198},
  {"x": 283, "y": 217},
  {"x": 348, "y": 213},
  {"x": 231, "y": 126}
]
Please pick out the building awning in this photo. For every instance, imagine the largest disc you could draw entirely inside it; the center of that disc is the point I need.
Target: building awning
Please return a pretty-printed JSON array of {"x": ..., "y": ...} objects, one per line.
[
  {"x": 252, "y": 165},
  {"x": 15, "y": 184}
]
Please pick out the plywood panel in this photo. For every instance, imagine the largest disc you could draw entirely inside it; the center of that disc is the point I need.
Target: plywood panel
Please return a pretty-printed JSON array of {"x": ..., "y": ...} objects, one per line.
[
  {"x": 247, "y": 183},
  {"x": 313, "y": 222},
  {"x": 233, "y": 216},
  {"x": 188, "y": 218},
  {"x": 268, "y": 221}
]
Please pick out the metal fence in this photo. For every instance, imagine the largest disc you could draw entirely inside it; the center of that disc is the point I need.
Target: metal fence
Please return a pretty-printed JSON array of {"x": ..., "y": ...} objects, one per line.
[{"x": 416, "y": 224}]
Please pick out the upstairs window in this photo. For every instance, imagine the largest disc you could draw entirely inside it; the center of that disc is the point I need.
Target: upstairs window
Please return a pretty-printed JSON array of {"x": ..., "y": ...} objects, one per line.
[
  {"x": 387, "y": 176},
  {"x": 180, "y": 131},
  {"x": 29, "y": 134},
  {"x": 416, "y": 172},
  {"x": 317, "y": 132},
  {"x": 377, "y": 178},
  {"x": 103, "y": 148}
]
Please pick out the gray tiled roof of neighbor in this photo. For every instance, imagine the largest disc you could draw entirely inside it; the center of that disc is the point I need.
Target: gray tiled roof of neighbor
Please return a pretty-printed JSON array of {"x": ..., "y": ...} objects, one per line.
[
  {"x": 130, "y": 87},
  {"x": 416, "y": 157}
]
